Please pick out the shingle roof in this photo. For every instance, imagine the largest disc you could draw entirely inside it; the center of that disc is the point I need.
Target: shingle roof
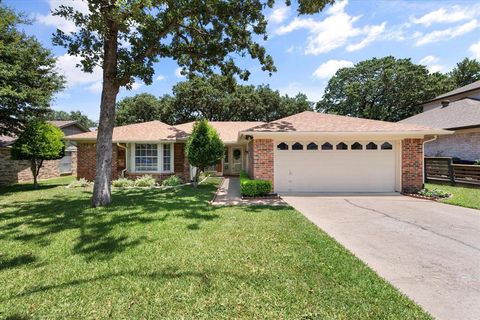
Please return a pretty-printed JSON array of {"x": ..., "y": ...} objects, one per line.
[
  {"x": 5, "y": 141},
  {"x": 460, "y": 113},
  {"x": 61, "y": 123},
  {"x": 146, "y": 132},
  {"x": 469, "y": 87},
  {"x": 310, "y": 121},
  {"x": 227, "y": 130}
]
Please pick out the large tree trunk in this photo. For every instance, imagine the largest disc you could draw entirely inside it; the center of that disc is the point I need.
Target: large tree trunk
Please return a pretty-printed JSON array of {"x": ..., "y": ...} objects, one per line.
[{"x": 103, "y": 175}]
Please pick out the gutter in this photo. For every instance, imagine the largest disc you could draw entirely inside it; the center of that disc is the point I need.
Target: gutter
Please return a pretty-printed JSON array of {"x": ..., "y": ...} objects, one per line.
[{"x": 419, "y": 133}]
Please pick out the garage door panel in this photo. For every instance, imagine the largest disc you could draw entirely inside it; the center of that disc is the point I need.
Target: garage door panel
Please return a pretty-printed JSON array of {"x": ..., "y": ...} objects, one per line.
[{"x": 334, "y": 170}]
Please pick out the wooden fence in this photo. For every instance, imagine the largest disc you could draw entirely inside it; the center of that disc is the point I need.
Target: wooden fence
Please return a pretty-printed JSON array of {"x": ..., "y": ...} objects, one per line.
[{"x": 441, "y": 169}]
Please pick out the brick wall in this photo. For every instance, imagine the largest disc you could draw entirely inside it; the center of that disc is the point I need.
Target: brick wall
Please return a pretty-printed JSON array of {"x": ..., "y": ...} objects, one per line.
[
  {"x": 86, "y": 161},
  {"x": 412, "y": 165},
  {"x": 180, "y": 162},
  {"x": 74, "y": 162},
  {"x": 262, "y": 159},
  {"x": 13, "y": 171},
  {"x": 465, "y": 146}
]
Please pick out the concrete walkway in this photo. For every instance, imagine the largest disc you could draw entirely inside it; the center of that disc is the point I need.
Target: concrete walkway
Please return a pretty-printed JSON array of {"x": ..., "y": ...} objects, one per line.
[
  {"x": 229, "y": 194},
  {"x": 428, "y": 250}
]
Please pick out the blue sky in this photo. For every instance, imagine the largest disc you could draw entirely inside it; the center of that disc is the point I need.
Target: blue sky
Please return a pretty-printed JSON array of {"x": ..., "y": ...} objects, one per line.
[{"x": 307, "y": 50}]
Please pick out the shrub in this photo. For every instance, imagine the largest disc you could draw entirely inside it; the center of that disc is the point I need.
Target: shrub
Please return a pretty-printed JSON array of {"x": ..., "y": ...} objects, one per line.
[
  {"x": 145, "y": 181},
  {"x": 122, "y": 183},
  {"x": 477, "y": 162},
  {"x": 80, "y": 183},
  {"x": 172, "y": 181},
  {"x": 253, "y": 188},
  {"x": 434, "y": 193}
]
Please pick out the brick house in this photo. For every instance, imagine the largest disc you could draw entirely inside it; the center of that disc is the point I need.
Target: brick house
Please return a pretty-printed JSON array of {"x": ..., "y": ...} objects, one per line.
[
  {"x": 459, "y": 111},
  {"x": 13, "y": 171},
  {"x": 306, "y": 152}
]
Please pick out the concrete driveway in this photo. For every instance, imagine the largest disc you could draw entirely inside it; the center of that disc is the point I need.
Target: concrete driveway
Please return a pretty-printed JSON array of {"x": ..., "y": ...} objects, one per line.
[{"x": 428, "y": 250}]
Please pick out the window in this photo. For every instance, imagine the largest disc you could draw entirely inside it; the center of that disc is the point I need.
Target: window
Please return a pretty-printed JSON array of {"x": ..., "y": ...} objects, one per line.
[
  {"x": 312, "y": 146},
  {"x": 297, "y": 146},
  {"x": 357, "y": 146},
  {"x": 282, "y": 146},
  {"x": 146, "y": 157},
  {"x": 167, "y": 157},
  {"x": 372, "y": 146},
  {"x": 386, "y": 146},
  {"x": 327, "y": 146},
  {"x": 342, "y": 146}
]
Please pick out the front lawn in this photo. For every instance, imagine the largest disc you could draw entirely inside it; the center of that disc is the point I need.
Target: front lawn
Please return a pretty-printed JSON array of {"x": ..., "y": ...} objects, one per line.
[
  {"x": 168, "y": 254},
  {"x": 461, "y": 196}
]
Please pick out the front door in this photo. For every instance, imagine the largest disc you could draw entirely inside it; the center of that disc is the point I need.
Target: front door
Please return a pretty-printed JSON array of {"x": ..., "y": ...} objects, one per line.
[{"x": 236, "y": 163}]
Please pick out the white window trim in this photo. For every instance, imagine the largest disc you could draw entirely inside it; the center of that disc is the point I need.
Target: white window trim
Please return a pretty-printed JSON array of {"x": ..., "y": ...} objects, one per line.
[{"x": 159, "y": 161}]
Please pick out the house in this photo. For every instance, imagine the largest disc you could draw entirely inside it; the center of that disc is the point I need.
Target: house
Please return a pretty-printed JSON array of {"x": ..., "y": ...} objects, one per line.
[
  {"x": 13, "y": 171},
  {"x": 459, "y": 111},
  {"x": 306, "y": 152}
]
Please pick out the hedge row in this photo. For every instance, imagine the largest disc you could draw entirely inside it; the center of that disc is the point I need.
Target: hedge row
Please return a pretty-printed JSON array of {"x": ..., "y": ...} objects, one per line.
[{"x": 254, "y": 188}]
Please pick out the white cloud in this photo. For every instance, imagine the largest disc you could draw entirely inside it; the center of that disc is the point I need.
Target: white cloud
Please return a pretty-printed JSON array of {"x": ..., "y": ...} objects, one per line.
[
  {"x": 67, "y": 65},
  {"x": 442, "y": 15},
  {"x": 178, "y": 73},
  {"x": 334, "y": 31},
  {"x": 314, "y": 93},
  {"x": 136, "y": 85},
  {"x": 428, "y": 60},
  {"x": 328, "y": 69},
  {"x": 373, "y": 32},
  {"x": 279, "y": 14},
  {"x": 161, "y": 77},
  {"x": 446, "y": 34},
  {"x": 475, "y": 50},
  {"x": 436, "y": 68},
  {"x": 59, "y": 22},
  {"x": 95, "y": 87}
]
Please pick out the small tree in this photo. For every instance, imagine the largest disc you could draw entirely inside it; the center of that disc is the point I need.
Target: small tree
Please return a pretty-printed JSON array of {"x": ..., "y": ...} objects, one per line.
[
  {"x": 38, "y": 142},
  {"x": 204, "y": 148}
]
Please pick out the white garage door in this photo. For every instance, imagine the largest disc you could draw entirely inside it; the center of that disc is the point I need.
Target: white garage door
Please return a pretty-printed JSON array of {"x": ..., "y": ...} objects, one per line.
[{"x": 340, "y": 166}]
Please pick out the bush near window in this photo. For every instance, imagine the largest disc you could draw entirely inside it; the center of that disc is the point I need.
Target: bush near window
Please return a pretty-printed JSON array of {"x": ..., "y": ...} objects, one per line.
[
  {"x": 252, "y": 188},
  {"x": 172, "y": 181},
  {"x": 145, "y": 181},
  {"x": 123, "y": 183}
]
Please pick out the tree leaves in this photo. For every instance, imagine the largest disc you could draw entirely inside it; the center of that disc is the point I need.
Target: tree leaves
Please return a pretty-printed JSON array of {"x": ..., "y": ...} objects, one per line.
[{"x": 28, "y": 78}]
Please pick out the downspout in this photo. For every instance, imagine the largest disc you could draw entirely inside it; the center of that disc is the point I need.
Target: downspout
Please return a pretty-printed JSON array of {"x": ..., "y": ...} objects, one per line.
[
  {"x": 423, "y": 151},
  {"x": 126, "y": 159}
]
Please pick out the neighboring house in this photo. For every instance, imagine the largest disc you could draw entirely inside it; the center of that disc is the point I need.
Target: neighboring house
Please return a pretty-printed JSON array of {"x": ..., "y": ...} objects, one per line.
[
  {"x": 306, "y": 152},
  {"x": 13, "y": 171},
  {"x": 459, "y": 111}
]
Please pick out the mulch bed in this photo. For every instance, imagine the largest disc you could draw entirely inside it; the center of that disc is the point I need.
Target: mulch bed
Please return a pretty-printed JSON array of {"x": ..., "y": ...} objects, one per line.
[{"x": 268, "y": 196}]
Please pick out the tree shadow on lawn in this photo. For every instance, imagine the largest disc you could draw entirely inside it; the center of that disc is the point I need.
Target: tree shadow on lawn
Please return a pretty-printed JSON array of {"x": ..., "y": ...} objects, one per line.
[
  {"x": 162, "y": 274},
  {"x": 17, "y": 261},
  {"x": 101, "y": 233}
]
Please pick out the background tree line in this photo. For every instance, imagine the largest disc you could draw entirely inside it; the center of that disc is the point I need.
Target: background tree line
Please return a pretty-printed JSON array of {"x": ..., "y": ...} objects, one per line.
[
  {"x": 386, "y": 88},
  {"x": 215, "y": 98}
]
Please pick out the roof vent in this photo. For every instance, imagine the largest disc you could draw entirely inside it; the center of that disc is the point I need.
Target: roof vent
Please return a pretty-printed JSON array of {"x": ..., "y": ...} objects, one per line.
[{"x": 445, "y": 103}]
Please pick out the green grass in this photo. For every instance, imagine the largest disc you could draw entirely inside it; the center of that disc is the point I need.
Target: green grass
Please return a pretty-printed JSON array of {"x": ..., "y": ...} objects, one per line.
[
  {"x": 168, "y": 254},
  {"x": 461, "y": 196}
]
